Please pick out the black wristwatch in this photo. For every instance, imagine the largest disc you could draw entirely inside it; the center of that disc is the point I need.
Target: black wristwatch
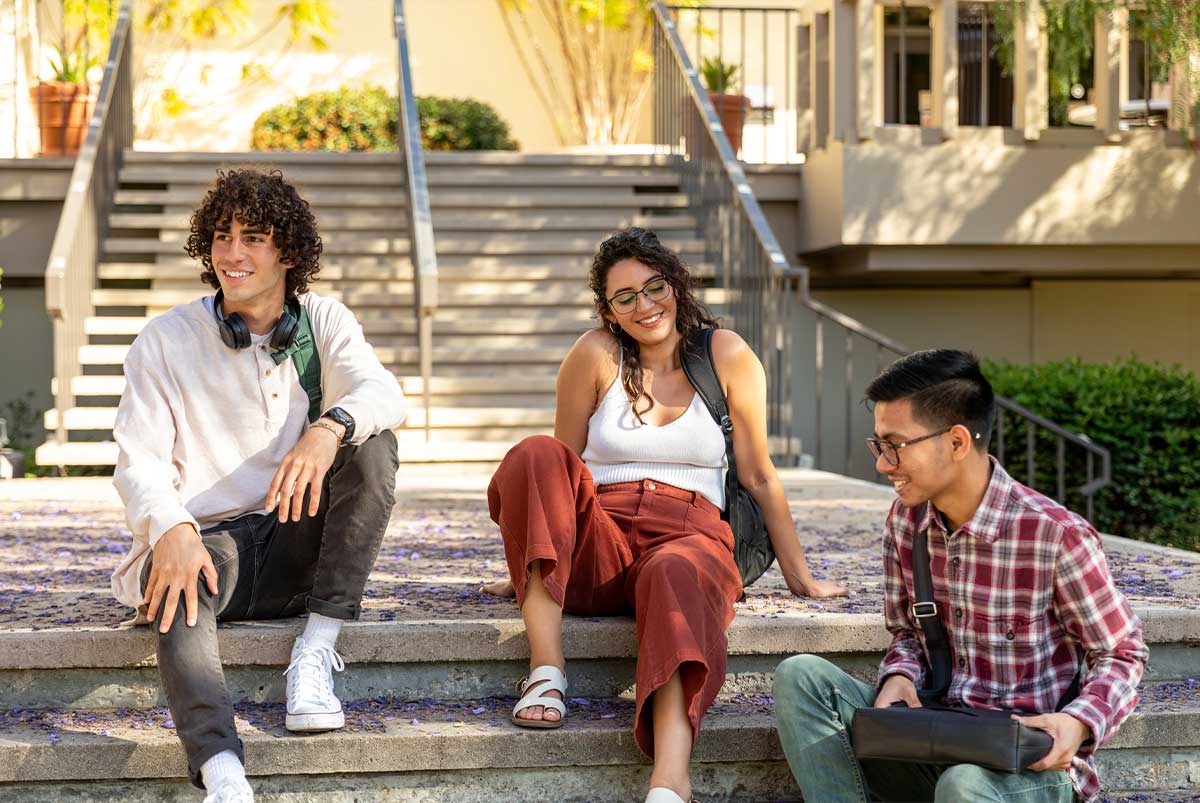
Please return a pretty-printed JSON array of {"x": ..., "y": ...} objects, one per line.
[{"x": 342, "y": 417}]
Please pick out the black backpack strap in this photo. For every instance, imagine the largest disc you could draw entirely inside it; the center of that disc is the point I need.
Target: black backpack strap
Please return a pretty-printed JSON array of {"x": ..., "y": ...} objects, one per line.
[
  {"x": 696, "y": 358},
  {"x": 303, "y": 353},
  {"x": 925, "y": 611}
]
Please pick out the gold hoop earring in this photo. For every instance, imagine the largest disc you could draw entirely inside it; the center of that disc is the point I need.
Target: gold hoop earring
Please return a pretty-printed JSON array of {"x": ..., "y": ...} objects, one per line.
[{"x": 614, "y": 328}]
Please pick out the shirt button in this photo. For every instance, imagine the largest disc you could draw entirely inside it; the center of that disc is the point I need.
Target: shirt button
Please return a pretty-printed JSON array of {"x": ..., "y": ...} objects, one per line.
[
  {"x": 962, "y": 662},
  {"x": 1010, "y": 635},
  {"x": 264, "y": 348},
  {"x": 957, "y": 561},
  {"x": 274, "y": 395},
  {"x": 650, "y": 486},
  {"x": 958, "y": 612},
  {"x": 268, "y": 372}
]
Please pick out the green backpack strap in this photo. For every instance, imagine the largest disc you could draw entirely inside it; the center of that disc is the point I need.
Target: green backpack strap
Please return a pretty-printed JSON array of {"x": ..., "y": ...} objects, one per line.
[{"x": 303, "y": 353}]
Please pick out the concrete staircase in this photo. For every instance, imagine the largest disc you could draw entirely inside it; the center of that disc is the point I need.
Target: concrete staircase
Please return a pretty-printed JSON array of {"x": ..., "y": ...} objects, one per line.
[
  {"x": 430, "y": 671},
  {"x": 427, "y": 704},
  {"x": 515, "y": 235}
]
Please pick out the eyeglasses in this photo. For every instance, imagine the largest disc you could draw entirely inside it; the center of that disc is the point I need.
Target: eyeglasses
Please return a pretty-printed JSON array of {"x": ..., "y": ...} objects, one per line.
[
  {"x": 891, "y": 451},
  {"x": 656, "y": 289}
]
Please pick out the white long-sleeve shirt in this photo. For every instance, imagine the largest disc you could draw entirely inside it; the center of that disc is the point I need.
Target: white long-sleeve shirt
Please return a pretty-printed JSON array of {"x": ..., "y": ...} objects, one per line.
[{"x": 202, "y": 427}]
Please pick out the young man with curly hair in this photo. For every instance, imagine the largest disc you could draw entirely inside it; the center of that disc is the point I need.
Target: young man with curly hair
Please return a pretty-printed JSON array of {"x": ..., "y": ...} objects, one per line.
[{"x": 257, "y": 466}]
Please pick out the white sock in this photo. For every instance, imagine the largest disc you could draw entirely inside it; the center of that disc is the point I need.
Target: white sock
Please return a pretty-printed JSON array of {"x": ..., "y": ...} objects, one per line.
[
  {"x": 222, "y": 767},
  {"x": 322, "y": 630}
]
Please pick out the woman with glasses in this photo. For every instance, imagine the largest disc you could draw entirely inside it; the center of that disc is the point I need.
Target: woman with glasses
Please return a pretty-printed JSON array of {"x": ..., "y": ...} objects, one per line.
[{"x": 620, "y": 512}]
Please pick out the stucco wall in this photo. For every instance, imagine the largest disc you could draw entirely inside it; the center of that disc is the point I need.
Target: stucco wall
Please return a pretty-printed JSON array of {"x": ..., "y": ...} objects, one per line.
[
  {"x": 458, "y": 48},
  {"x": 1097, "y": 321},
  {"x": 977, "y": 190}
]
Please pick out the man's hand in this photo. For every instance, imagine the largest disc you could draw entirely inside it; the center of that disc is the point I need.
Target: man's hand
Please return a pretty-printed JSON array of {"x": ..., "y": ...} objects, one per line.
[
  {"x": 179, "y": 558},
  {"x": 897, "y": 688},
  {"x": 1068, "y": 733},
  {"x": 303, "y": 467}
]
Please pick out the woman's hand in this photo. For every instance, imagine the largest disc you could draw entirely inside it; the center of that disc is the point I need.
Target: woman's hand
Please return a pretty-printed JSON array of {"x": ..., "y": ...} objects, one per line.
[{"x": 813, "y": 587}]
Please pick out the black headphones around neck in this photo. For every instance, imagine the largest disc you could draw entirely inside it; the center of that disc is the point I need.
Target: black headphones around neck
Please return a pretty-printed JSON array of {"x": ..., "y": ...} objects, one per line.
[{"x": 236, "y": 334}]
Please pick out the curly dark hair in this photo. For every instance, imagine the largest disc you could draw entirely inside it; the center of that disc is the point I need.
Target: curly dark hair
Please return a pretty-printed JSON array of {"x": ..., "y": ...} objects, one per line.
[
  {"x": 265, "y": 201},
  {"x": 690, "y": 314}
]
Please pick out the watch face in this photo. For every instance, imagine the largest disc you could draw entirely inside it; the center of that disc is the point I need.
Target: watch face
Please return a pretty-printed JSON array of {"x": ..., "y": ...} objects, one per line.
[{"x": 342, "y": 417}]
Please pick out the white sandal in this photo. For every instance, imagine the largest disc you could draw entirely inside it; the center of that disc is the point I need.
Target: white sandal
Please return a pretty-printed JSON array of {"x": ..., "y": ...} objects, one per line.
[
  {"x": 533, "y": 690},
  {"x": 661, "y": 794}
]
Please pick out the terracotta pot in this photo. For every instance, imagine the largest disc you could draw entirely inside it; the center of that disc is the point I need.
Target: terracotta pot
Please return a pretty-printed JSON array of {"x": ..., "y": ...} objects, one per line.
[
  {"x": 732, "y": 111},
  {"x": 63, "y": 111}
]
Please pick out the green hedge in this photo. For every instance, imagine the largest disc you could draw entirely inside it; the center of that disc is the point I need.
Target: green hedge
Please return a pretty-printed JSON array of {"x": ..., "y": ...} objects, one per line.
[
  {"x": 366, "y": 119},
  {"x": 1146, "y": 415}
]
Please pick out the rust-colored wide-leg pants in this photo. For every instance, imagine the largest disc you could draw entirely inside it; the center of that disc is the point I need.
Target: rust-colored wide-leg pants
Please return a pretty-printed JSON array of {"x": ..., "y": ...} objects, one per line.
[{"x": 659, "y": 551}]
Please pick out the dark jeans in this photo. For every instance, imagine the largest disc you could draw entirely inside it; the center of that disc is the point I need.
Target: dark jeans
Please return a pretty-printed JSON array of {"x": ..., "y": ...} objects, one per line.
[{"x": 268, "y": 570}]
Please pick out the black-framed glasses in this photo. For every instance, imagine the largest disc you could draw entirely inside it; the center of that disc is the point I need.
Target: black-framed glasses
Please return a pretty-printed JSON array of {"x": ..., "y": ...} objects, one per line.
[
  {"x": 891, "y": 451},
  {"x": 656, "y": 289}
]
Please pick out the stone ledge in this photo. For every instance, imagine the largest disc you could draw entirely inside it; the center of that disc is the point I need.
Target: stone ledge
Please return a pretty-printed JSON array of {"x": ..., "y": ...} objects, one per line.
[
  {"x": 269, "y": 643},
  {"x": 383, "y": 736}
]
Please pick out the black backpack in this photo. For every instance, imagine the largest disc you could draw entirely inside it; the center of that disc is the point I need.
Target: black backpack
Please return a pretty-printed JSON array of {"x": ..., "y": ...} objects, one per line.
[{"x": 752, "y": 548}]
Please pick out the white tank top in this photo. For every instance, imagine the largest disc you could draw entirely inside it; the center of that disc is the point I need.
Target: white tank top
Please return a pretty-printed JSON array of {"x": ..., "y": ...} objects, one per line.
[{"x": 688, "y": 453}]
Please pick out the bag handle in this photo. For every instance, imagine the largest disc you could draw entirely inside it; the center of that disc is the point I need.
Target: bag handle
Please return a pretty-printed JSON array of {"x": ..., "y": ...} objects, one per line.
[
  {"x": 937, "y": 644},
  {"x": 697, "y": 361}
]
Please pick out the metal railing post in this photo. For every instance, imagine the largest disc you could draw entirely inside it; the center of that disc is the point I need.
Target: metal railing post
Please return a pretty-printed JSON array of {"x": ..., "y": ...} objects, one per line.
[{"x": 421, "y": 249}]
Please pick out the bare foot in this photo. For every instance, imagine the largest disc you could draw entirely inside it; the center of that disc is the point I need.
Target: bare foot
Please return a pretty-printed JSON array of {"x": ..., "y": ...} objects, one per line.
[{"x": 502, "y": 588}]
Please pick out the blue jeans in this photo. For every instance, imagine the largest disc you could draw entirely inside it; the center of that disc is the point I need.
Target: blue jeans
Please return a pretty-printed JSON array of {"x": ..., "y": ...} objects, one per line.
[{"x": 814, "y": 707}]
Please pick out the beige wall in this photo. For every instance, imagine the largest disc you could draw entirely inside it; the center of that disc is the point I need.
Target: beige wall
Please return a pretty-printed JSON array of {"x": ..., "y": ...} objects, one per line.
[
  {"x": 458, "y": 48},
  {"x": 1156, "y": 320},
  {"x": 1097, "y": 321},
  {"x": 977, "y": 190},
  {"x": 994, "y": 323},
  {"x": 31, "y": 195}
]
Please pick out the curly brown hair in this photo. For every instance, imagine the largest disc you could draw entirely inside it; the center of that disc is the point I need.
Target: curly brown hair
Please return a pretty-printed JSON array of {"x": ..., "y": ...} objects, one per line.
[
  {"x": 265, "y": 201},
  {"x": 690, "y": 314}
]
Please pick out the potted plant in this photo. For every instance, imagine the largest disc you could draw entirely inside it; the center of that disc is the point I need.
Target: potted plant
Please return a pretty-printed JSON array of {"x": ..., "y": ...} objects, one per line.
[
  {"x": 721, "y": 80},
  {"x": 63, "y": 104}
]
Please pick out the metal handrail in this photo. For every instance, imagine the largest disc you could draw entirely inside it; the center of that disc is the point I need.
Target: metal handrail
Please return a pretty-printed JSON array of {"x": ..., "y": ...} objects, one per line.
[
  {"x": 83, "y": 224},
  {"x": 421, "y": 249},
  {"x": 773, "y": 309}
]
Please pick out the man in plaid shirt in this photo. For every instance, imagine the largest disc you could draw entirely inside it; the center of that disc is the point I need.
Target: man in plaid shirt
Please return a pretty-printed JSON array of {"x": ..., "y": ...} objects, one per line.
[{"x": 1020, "y": 584}]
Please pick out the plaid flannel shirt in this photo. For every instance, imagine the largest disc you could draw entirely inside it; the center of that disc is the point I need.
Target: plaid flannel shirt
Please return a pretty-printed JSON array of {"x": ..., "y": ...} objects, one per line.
[{"x": 1022, "y": 588}]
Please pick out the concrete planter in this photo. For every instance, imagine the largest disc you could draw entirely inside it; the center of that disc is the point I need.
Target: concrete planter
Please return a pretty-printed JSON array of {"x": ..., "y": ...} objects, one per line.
[
  {"x": 732, "y": 111},
  {"x": 63, "y": 111}
]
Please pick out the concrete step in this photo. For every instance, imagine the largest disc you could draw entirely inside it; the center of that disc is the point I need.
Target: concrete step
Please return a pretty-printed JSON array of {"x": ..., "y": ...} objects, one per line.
[
  {"x": 337, "y": 244},
  {"x": 467, "y": 449},
  {"x": 480, "y": 198},
  {"x": 418, "y": 751},
  {"x": 399, "y": 356},
  {"x": 378, "y": 158},
  {"x": 451, "y": 268},
  {"x": 442, "y": 652},
  {"x": 103, "y": 418},
  {"x": 378, "y": 325},
  {"x": 438, "y": 176},
  {"x": 441, "y": 387},
  {"x": 480, "y": 385},
  {"x": 463, "y": 752},
  {"x": 499, "y": 220}
]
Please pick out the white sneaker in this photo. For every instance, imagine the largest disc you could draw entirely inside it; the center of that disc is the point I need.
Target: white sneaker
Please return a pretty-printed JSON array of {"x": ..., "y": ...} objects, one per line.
[
  {"x": 233, "y": 790},
  {"x": 311, "y": 703}
]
